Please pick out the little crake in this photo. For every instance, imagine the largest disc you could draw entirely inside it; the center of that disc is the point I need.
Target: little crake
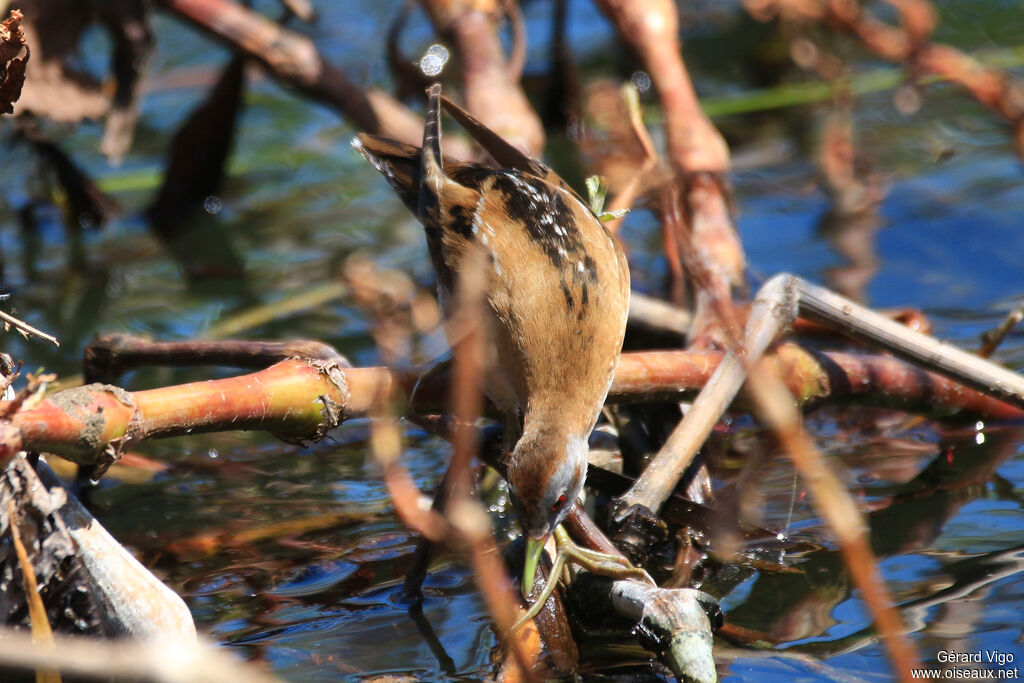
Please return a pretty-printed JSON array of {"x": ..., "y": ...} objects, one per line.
[{"x": 557, "y": 297}]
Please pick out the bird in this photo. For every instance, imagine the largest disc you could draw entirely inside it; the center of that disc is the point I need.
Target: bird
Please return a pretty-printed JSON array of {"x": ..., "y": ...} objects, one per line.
[{"x": 556, "y": 300}]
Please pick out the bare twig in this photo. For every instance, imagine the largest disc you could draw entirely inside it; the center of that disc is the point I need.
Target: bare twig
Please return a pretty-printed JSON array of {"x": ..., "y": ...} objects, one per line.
[
  {"x": 108, "y": 356},
  {"x": 662, "y": 474},
  {"x": 775, "y": 406},
  {"x": 465, "y": 522},
  {"x": 656, "y": 314},
  {"x": 516, "y": 60},
  {"x": 25, "y": 329},
  {"x": 993, "y": 338}
]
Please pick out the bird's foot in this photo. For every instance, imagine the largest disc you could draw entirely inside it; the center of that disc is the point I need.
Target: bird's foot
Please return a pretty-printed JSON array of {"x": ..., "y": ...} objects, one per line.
[{"x": 602, "y": 564}]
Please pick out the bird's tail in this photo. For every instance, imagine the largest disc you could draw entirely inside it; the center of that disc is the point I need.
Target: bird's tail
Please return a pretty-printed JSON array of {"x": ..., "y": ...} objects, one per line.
[
  {"x": 397, "y": 161},
  {"x": 432, "y": 177}
]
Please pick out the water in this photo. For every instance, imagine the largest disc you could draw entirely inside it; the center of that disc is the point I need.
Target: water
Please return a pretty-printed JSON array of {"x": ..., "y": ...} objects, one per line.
[{"x": 315, "y": 596}]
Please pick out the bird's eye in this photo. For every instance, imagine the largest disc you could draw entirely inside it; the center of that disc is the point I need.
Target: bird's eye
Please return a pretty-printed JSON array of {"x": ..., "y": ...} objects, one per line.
[{"x": 558, "y": 503}]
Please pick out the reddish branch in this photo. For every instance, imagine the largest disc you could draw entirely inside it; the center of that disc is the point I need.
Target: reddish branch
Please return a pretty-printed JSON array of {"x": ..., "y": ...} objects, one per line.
[
  {"x": 300, "y": 400},
  {"x": 110, "y": 355},
  {"x": 909, "y": 44},
  {"x": 695, "y": 211},
  {"x": 292, "y": 58},
  {"x": 835, "y": 505},
  {"x": 651, "y": 29},
  {"x": 492, "y": 90}
]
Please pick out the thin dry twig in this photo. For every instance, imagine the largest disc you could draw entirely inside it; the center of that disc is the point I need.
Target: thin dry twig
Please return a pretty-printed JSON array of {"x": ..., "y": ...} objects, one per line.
[
  {"x": 774, "y": 309},
  {"x": 30, "y": 395},
  {"x": 776, "y": 407},
  {"x": 516, "y": 60},
  {"x": 461, "y": 521},
  {"x": 411, "y": 506},
  {"x": 464, "y": 512},
  {"x": 467, "y": 400},
  {"x": 993, "y": 338},
  {"x": 25, "y": 329}
]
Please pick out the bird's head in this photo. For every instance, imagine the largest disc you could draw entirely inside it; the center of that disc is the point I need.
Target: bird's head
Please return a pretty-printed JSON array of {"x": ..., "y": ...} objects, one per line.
[{"x": 546, "y": 474}]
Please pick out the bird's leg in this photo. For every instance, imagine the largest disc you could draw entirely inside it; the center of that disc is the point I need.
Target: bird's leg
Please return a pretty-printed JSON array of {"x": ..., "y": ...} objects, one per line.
[
  {"x": 549, "y": 588},
  {"x": 603, "y": 564}
]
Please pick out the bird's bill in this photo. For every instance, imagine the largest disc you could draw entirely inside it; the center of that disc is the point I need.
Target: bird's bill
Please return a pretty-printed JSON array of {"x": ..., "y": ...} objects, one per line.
[{"x": 534, "y": 548}]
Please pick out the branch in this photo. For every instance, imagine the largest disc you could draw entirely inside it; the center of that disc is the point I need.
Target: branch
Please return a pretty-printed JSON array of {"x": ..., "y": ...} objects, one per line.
[
  {"x": 25, "y": 329},
  {"x": 301, "y": 400}
]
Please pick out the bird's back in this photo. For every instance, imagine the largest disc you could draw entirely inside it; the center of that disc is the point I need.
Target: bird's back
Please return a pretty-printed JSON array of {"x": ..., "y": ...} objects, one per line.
[{"x": 557, "y": 281}]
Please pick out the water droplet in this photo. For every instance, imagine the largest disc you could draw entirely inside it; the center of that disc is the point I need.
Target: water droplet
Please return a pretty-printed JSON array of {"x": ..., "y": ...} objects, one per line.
[
  {"x": 907, "y": 100},
  {"x": 212, "y": 204},
  {"x": 641, "y": 81},
  {"x": 213, "y": 454},
  {"x": 432, "y": 63},
  {"x": 94, "y": 482},
  {"x": 439, "y": 51},
  {"x": 86, "y": 220}
]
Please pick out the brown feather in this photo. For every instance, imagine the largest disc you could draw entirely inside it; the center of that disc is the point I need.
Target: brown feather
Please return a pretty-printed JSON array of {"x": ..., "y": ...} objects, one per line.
[{"x": 558, "y": 291}]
